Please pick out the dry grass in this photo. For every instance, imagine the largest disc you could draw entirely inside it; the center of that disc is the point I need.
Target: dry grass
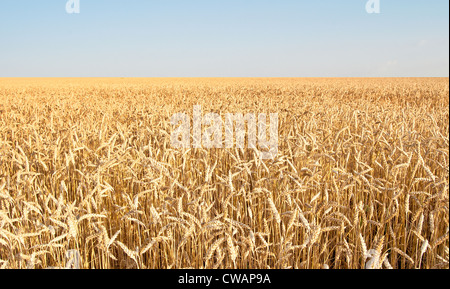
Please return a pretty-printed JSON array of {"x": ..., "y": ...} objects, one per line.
[{"x": 88, "y": 178}]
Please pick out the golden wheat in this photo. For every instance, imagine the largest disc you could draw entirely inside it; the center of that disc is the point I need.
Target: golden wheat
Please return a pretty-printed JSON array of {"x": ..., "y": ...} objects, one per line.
[{"x": 361, "y": 177}]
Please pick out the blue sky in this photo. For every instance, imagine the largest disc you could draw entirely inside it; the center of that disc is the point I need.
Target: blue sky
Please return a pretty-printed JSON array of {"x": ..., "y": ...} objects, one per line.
[{"x": 224, "y": 38}]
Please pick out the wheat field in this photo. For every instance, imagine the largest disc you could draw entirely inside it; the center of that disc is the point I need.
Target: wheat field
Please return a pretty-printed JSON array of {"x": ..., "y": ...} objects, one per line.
[{"x": 89, "y": 179}]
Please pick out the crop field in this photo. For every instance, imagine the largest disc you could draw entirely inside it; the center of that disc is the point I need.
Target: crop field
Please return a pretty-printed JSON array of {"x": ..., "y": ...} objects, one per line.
[{"x": 89, "y": 177}]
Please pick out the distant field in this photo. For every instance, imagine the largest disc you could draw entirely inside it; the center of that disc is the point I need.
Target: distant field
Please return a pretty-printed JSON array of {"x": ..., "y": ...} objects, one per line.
[{"x": 89, "y": 178}]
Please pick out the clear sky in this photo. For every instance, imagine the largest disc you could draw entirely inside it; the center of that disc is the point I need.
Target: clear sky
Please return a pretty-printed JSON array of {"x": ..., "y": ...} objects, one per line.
[{"x": 224, "y": 38}]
